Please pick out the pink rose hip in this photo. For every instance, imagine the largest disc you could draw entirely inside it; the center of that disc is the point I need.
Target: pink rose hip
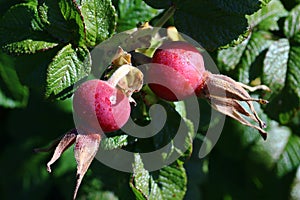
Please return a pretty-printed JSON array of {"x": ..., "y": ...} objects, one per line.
[
  {"x": 96, "y": 103},
  {"x": 177, "y": 72},
  {"x": 180, "y": 73}
]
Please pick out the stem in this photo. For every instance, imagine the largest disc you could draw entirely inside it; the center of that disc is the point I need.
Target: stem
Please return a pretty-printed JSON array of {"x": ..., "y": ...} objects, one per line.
[{"x": 166, "y": 16}]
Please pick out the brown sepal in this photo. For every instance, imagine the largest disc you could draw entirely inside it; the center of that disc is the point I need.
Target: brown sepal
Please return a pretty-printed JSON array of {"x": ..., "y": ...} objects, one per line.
[
  {"x": 86, "y": 147},
  {"x": 225, "y": 95},
  {"x": 67, "y": 140}
]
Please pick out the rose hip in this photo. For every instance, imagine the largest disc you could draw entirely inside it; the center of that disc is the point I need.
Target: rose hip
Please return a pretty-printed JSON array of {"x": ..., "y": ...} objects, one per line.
[
  {"x": 180, "y": 73},
  {"x": 96, "y": 102},
  {"x": 177, "y": 72}
]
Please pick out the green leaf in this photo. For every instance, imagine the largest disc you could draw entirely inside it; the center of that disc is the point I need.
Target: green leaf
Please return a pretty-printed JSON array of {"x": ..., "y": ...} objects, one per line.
[
  {"x": 284, "y": 101},
  {"x": 279, "y": 153},
  {"x": 68, "y": 66},
  {"x": 208, "y": 23},
  {"x": 280, "y": 71},
  {"x": 28, "y": 46},
  {"x": 290, "y": 4},
  {"x": 22, "y": 32},
  {"x": 240, "y": 7},
  {"x": 290, "y": 158},
  {"x": 270, "y": 152},
  {"x": 115, "y": 142},
  {"x": 275, "y": 65},
  {"x": 242, "y": 56},
  {"x": 63, "y": 20},
  {"x": 100, "y": 20},
  {"x": 22, "y": 20},
  {"x": 167, "y": 183},
  {"x": 159, "y": 3},
  {"x": 267, "y": 17},
  {"x": 12, "y": 93},
  {"x": 293, "y": 74},
  {"x": 180, "y": 107},
  {"x": 265, "y": 2},
  {"x": 292, "y": 25},
  {"x": 175, "y": 125},
  {"x": 132, "y": 12},
  {"x": 295, "y": 190}
]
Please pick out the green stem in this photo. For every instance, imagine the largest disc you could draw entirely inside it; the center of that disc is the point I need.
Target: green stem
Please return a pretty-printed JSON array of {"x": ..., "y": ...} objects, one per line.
[{"x": 167, "y": 15}]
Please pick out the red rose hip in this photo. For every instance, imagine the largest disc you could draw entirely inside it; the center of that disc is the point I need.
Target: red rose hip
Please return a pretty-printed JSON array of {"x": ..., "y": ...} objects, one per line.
[
  {"x": 178, "y": 71},
  {"x": 96, "y": 103}
]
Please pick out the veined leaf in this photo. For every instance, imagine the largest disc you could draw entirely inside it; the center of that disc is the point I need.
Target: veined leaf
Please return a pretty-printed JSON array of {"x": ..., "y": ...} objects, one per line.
[
  {"x": 210, "y": 23},
  {"x": 282, "y": 73},
  {"x": 22, "y": 32},
  {"x": 99, "y": 18},
  {"x": 22, "y": 20},
  {"x": 181, "y": 109},
  {"x": 167, "y": 183},
  {"x": 114, "y": 142},
  {"x": 243, "y": 55},
  {"x": 275, "y": 65},
  {"x": 267, "y": 17},
  {"x": 28, "y": 46},
  {"x": 290, "y": 158},
  {"x": 292, "y": 25},
  {"x": 63, "y": 20},
  {"x": 68, "y": 66},
  {"x": 240, "y": 7},
  {"x": 130, "y": 13}
]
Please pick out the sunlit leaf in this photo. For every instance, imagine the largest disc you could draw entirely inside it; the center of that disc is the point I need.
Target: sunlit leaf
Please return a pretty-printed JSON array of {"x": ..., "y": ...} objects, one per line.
[
  {"x": 133, "y": 12},
  {"x": 292, "y": 25},
  {"x": 167, "y": 183},
  {"x": 99, "y": 20},
  {"x": 68, "y": 66},
  {"x": 289, "y": 159},
  {"x": 21, "y": 31},
  {"x": 63, "y": 20},
  {"x": 275, "y": 65},
  {"x": 267, "y": 17},
  {"x": 243, "y": 55}
]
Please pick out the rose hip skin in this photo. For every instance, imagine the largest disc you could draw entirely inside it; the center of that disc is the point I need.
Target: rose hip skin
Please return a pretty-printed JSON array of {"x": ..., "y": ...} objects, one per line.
[
  {"x": 97, "y": 103},
  {"x": 180, "y": 73}
]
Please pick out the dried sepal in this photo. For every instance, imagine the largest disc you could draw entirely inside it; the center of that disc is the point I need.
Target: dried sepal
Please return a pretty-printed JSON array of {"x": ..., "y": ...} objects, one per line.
[
  {"x": 67, "y": 140},
  {"x": 86, "y": 147},
  {"x": 127, "y": 78},
  {"x": 225, "y": 95},
  {"x": 121, "y": 58},
  {"x": 49, "y": 147}
]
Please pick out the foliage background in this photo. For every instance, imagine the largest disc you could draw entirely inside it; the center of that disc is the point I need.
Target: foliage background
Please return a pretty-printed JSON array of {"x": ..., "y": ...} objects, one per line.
[{"x": 241, "y": 165}]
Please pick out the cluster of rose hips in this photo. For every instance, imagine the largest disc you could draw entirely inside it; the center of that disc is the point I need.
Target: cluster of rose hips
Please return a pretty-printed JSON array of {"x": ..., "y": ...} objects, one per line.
[{"x": 176, "y": 72}]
